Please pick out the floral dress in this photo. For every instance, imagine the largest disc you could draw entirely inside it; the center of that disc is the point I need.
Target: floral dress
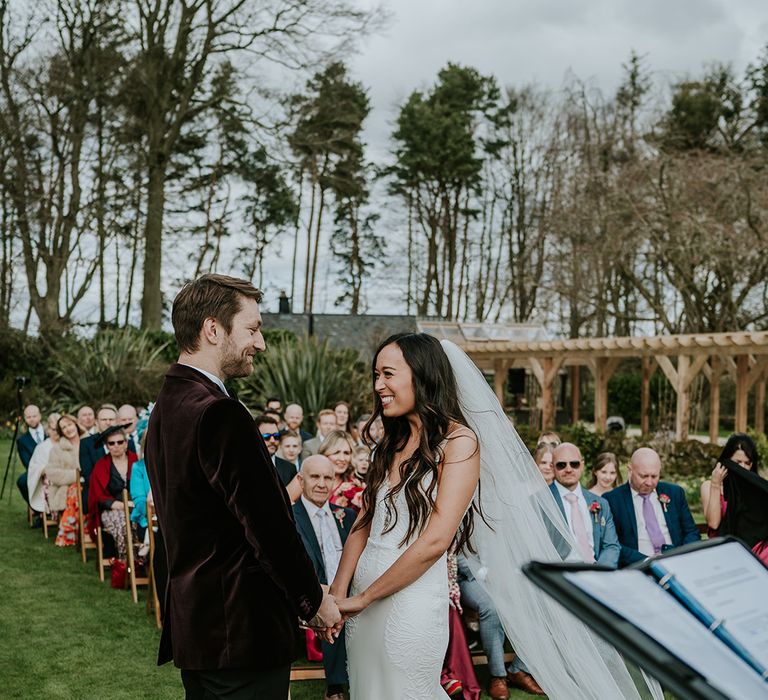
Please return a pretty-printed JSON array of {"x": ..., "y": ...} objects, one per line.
[{"x": 349, "y": 494}]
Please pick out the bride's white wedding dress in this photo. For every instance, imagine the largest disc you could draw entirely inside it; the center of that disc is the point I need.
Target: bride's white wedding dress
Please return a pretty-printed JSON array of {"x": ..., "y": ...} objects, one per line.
[{"x": 396, "y": 646}]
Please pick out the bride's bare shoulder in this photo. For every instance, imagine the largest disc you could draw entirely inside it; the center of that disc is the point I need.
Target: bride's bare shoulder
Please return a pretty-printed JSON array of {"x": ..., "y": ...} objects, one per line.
[{"x": 457, "y": 430}]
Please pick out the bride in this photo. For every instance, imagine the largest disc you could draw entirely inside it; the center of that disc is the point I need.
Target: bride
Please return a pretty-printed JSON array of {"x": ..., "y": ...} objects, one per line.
[{"x": 443, "y": 432}]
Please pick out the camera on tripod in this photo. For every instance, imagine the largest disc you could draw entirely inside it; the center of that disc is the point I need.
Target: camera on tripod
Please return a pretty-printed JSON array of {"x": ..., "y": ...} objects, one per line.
[{"x": 21, "y": 382}]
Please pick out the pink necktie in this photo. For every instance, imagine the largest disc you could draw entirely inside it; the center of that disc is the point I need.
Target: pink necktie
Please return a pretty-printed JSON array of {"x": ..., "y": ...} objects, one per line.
[{"x": 577, "y": 525}]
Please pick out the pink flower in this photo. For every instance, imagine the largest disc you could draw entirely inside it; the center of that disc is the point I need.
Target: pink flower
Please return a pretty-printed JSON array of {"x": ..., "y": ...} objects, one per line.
[
  {"x": 664, "y": 500},
  {"x": 594, "y": 508}
]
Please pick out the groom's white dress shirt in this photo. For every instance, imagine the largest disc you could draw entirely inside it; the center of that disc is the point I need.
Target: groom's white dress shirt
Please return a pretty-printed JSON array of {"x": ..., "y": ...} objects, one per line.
[
  {"x": 210, "y": 376},
  {"x": 581, "y": 504}
]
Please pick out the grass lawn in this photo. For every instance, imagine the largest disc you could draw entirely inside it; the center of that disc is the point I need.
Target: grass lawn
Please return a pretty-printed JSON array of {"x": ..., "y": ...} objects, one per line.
[{"x": 67, "y": 635}]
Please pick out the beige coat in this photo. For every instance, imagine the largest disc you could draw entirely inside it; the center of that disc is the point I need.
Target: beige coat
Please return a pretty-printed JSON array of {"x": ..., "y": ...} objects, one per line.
[{"x": 60, "y": 470}]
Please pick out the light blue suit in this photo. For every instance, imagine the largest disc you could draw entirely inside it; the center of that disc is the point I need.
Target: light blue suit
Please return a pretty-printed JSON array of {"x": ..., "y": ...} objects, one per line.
[{"x": 605, "y": 539}]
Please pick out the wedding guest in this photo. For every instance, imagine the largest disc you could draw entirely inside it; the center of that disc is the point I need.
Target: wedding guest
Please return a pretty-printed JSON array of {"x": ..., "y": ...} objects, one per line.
[
  {"x": 474, "y": 595},
  {"x": 40, "y": 457},
  {"x": 347, "y": 491},
  {"x": 651, "y": 516},
  {"x": 290, "y": 448},
  {"x": 588, "y": 516},
  {"x": 286, "y": 472},
  {"x": 128, "y": 418},
  {"x": 341, "y": 409},
  {"x": 324, "y": 527},
  {"x": 605, "y": 474},
  {"x": 753, "y": 525},
  {"x": 361, "y": 460},
  {"x": 542, "y": 455},
  {"x": 357, "y": 434},
  {"x": 274, "y": 405},
  {"x": 294, "y": 417},
  {"x": 549, "y": 438},
  {"x": 377, "y": 430},
  {"x": 86, "y": 417},
  {"x": 61, "y": 477},
  {"x": 274, "y": 415},
  {"x": 326, "y": 424},
  {"x": 26, "y": 444},
  {"x": 140, "y": 491},
  {"x": 111, "y": 474}
]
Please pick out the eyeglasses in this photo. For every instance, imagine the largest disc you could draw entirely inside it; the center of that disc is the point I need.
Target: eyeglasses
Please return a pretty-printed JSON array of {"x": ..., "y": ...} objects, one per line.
[
  {"x": 271, "y": 436},
  {"x": 115, "y": 442},
  {"x": 573, "y": 464}
]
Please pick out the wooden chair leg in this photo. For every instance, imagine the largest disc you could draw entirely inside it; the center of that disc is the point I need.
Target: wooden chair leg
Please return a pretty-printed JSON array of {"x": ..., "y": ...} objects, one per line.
[
  {"x": 30, "y": 516},
  {"x": 131, "y": 565},
  {"x": 100, "y": 553},
  {"x": 152, "y": 580}
]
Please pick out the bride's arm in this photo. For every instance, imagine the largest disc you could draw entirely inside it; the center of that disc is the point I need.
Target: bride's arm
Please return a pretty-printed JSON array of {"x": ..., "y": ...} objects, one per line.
[
  {"x": 353, "y": 548},
  {"x": 460, "y": 474}
]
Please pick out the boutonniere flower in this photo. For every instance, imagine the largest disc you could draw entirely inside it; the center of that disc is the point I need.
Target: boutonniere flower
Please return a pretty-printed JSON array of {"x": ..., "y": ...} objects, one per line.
[
  {"x": 664, "y": 500},
  {"x": 594, "y": 508},
  {"x": 339, "y": 515}
]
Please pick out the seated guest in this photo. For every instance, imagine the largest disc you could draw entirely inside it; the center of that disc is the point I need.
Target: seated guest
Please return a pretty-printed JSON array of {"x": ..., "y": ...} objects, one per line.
[
  {"x": 140, "y": 491},
  {"x": 111, "y": 475},
  {"x": 361, "y": 460},
  {"x": 128, "y": 419},
  {"x": 326, "y": 424},
  {"x": 542, "y": 455},
  {"x": 605, "y": 474},
  {"x": 86, "y": 417},
  {"x": 588, "y": 516},
  {"x": 289, "y": 449},
  {"x": 273, "y": 405},
  {"x": 324, "y": 528},
  {"x": 357, "y": 433},
  {"x": 651, "y": 516},
  {"x": 61, "y": 477},
  {"x": 347, "y": 491},
  {"x": 40, "y": 457},
  {"x": 294, "y": 417},
  {"x": 341, "y": 409},
  {"x": 549, "y": 438},
  {"x": 286, "y": 472},
  {"x": 377, "y": 430},
  {"x": 744, "y": 496},
  {"x": 26, "y": 444},
  {"x": 275, "y": 417},
  {"x": 475, "y": 596}
]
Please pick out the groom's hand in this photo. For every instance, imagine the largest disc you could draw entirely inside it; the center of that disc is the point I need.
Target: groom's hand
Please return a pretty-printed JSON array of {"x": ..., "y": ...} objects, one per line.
[{"x": 328, "y": 614}]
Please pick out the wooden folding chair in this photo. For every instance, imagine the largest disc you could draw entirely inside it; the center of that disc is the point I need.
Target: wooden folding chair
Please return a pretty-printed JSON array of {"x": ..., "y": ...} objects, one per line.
[
  {"x": 153, "y": 602},
  {"x": 101, "y": 562},
  {"x": 131, "y": 565},
  {"x": 86, "y": 542},
  {"x": 30, "y": 516},
  {"x": 49, "y": 521}
]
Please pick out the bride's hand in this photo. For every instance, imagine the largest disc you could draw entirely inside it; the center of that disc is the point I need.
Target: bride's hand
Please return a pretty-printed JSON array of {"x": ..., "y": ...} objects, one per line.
[{"x": 349, "y": 607}]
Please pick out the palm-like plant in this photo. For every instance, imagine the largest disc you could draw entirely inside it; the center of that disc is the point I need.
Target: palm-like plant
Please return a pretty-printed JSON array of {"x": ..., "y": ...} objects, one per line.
[
  {"x": 311, "y": 373},
  {"x": 122, "y": 365}
]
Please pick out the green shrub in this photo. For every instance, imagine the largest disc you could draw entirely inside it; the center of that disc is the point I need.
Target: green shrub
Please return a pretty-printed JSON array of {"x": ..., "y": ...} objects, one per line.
[{"x": 311, "y": 373}]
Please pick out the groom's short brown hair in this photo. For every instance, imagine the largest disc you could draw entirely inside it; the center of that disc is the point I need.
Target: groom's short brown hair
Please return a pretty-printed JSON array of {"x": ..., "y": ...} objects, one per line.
[{"x": 209, "y": 296}]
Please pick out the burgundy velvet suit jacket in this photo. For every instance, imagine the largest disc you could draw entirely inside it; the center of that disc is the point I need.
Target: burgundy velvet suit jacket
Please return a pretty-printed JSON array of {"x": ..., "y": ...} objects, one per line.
[{"x": 238, "y": 574}]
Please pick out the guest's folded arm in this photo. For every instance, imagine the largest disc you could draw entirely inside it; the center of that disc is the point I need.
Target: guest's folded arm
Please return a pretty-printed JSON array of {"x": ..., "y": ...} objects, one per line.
[{"x": 239, "y": 467}]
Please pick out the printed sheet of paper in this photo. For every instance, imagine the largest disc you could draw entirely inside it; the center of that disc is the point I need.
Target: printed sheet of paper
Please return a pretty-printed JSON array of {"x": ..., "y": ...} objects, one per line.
[
  {"x": 640, "y": 600},
  {"x": 732, "y": 585}
]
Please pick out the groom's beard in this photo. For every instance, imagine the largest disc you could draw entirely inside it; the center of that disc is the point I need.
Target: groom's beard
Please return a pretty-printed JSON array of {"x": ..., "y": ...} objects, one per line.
[{"x": 234, "y": 364}]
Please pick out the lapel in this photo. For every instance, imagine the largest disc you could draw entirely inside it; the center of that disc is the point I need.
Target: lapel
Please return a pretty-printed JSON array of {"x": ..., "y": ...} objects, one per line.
[
  {"x": 558, "y": 500},
  {"x": 629, "y": 519},
  {"x": 307, "y": 533},
  {"x": 29, "y": 441},
  {"x": 344, "y": 524},
  {"x": 661, "y": 489},
  {"x": 597, "y": 528}
]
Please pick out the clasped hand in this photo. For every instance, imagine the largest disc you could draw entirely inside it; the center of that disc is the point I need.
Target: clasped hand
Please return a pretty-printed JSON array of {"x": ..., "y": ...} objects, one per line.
[{"x": 332, "y": 614}]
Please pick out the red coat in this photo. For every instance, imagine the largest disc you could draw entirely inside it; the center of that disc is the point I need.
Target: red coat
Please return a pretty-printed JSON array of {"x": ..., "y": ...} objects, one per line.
[{"x": 97, "y": 489}]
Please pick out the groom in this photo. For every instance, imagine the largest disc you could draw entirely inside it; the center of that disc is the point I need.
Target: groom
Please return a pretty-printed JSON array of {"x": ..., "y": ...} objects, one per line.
[{"x": 239, "y": 578}]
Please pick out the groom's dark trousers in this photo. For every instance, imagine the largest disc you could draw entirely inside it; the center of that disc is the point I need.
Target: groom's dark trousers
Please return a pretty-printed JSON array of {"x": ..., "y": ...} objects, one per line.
[{"x": 239, "y": 577}]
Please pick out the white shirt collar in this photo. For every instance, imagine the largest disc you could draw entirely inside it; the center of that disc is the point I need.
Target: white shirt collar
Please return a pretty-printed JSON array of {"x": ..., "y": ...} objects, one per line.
[
  {"x": 312, "y": 508},
  {"x": 564, "y": 491},
  {"x": 635, "y": 494},
  {"x": 210, "y": 376}
]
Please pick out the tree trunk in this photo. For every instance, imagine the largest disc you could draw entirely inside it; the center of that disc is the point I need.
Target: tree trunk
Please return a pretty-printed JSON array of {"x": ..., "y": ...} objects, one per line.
[{"x": 151, "y": 296}]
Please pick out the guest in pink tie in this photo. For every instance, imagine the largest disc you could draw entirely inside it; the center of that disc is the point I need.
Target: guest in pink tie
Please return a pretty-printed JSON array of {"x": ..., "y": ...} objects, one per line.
[{"x": 588, "y": 516}]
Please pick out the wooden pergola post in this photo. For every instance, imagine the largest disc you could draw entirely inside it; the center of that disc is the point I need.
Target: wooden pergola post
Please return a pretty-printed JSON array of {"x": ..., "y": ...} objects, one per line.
[
  {"x": 760, "y": 405},
  {"x": 602, "y": 368},
  {"x": 714, "y": 375},
  {"x": 575, "y": 393},
  {"x": 742, "y": 393},
  {"x": 499, "y": 379},
  {"x": 545, "y": 370},
  {"x": 649, "y": 365},
  {"x": 681, "y": 378}
]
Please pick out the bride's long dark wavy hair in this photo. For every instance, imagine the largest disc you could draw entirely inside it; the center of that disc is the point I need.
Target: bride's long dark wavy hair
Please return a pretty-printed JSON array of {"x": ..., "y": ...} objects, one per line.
[{"x": 437, "y": 406}]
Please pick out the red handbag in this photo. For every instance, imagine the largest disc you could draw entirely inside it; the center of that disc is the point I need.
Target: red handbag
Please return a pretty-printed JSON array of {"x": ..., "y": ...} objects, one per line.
[{"x": 119, "y": 571}]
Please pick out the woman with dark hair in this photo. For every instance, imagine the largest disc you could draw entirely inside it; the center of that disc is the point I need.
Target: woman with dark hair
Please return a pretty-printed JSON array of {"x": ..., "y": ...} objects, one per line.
[
  {"x": 717, "y": 500},
  {"x": 421, "y": 482},
  {"x": 605, "y": 474},
  {"x": 341, "y": 409}
]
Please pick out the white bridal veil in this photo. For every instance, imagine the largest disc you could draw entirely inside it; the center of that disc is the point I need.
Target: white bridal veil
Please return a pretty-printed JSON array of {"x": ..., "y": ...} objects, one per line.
[{"x": 523, "y": 520}]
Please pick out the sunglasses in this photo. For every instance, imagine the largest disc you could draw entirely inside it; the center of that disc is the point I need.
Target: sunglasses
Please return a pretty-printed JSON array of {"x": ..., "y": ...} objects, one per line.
[
  {"x": 573, "y": 464},
  {"x": 115, "y": 442},
  {"x": 271, "y": 436}
]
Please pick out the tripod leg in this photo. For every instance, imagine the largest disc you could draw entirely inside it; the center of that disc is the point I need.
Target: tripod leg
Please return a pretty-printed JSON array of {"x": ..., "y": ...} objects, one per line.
[{"x": 11, "y": 461}]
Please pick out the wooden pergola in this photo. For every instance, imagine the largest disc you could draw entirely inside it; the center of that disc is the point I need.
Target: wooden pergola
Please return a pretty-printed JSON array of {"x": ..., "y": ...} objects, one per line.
[{"x": 741, "y": 356}]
